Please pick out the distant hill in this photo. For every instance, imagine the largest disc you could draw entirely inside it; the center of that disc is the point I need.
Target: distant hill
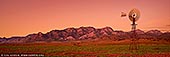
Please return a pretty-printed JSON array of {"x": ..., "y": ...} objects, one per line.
[{"x": 87, "y": 33}]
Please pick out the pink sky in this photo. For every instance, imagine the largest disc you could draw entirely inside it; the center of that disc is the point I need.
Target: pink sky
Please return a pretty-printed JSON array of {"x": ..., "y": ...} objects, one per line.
[{"x": 21, "y": 17}]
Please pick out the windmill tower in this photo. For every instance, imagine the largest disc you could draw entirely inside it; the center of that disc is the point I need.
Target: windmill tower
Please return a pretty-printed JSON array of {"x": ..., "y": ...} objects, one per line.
[{"x": 133, "y": 15}]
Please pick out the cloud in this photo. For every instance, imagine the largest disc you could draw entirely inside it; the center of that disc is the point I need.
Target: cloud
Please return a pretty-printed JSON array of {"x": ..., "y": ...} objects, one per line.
[
  {"x": 168, "y": 25},
  {"x": 155, "y": 27},
  {"x": 164, "y": 30},
  {"x": 165, "y": 26}
]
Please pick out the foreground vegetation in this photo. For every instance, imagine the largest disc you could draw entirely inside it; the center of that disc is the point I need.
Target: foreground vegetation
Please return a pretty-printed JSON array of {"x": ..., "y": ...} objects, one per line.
[{"x": 92, "y": 48}]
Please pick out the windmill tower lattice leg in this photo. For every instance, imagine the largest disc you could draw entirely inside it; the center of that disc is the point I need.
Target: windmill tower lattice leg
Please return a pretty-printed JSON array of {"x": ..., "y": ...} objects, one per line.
[{"x": 134, "y": 39}]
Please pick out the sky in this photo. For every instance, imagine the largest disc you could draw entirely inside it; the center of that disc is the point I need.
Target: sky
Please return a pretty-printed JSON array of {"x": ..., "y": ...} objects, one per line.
[{"x": 22, "y": 17}]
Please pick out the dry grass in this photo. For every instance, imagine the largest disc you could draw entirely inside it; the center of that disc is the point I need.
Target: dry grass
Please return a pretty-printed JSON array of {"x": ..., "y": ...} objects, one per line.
[{"x": 90, "y": 48}]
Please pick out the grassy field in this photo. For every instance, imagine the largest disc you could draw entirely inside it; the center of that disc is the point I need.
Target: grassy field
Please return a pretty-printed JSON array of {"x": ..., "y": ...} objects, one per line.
[{"x": 90, "y": 48}]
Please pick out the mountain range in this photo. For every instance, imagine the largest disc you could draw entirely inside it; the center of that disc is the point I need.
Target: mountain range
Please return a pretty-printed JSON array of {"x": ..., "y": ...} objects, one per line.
[{"x": 87, "y": 33}]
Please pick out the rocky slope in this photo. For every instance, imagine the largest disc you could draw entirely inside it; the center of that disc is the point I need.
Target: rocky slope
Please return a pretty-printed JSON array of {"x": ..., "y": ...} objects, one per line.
[{"x": 84, "y": 33}]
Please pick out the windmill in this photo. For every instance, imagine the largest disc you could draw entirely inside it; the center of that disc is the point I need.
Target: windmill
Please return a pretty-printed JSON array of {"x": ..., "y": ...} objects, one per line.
[{"x": 133, "y": 15}]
